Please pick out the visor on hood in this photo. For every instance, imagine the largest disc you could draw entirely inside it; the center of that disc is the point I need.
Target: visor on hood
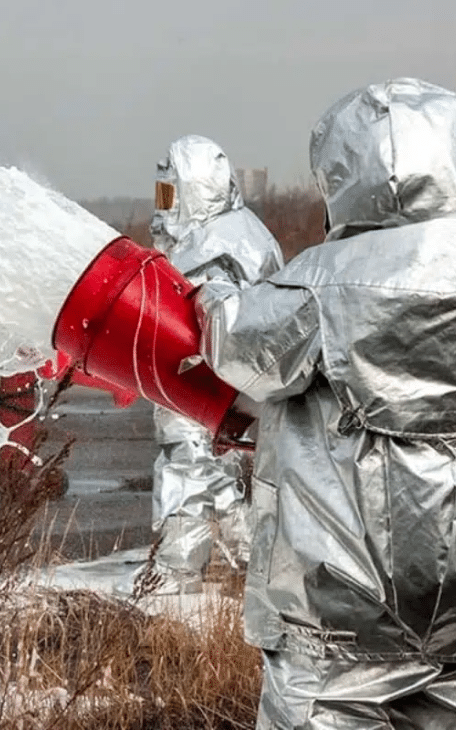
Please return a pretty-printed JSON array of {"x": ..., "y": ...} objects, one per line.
[
  {"x": 164, "y": 195},
  {"x": 385, "y": 156},
  {"x": 164, "y": 226}
]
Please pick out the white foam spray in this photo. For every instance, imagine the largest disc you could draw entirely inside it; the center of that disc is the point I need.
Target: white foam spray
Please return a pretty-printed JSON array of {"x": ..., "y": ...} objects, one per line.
[{"x": 46, "y": 242}]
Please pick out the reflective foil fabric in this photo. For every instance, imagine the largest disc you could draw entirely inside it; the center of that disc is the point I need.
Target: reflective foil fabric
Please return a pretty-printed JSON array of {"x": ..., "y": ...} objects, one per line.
[
  {"x": 209, "y": 231},
  {"x": 307, "y": 694},
  {"x": 206, "y": 232},
  {"x": 351, "y": 349},
  {"x": 396, "y": 163}
]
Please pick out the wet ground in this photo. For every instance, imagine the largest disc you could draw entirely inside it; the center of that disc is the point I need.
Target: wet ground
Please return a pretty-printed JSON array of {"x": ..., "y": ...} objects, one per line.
[{"x": 108, "y": 502}]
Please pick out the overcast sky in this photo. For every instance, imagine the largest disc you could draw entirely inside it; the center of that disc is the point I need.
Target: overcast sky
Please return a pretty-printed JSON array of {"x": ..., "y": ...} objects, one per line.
[{"x": 93, "y": 91}]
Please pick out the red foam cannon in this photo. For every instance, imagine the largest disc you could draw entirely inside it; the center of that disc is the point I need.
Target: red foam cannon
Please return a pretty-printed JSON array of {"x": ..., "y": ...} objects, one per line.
[{"x": 130, "y": 320}]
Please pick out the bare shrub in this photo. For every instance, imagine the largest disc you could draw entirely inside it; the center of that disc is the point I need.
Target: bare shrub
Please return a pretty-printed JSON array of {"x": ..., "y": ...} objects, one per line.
[
  {"x": 22, "y": 498},
  {"x": 26, "y": 487}
]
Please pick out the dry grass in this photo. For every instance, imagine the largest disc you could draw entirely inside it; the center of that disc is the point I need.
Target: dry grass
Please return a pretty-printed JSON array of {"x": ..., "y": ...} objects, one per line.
[{"x": 73, "y": 660}]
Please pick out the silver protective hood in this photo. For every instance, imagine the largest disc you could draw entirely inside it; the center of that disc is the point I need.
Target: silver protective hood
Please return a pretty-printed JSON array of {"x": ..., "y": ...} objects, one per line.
[
  {"x": 385, "y": 156},
  {"x": 205, "y": 186},
  {"x": 207, "y": 231}
]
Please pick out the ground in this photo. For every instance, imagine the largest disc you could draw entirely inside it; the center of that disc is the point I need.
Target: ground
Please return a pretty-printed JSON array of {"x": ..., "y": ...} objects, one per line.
[{"x": 108, "y": 504}]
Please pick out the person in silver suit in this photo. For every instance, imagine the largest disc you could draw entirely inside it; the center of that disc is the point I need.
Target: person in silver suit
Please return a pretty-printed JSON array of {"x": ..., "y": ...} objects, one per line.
[
  {"x": 203, "y": 226},
  {"x": 351, "y": 350}
]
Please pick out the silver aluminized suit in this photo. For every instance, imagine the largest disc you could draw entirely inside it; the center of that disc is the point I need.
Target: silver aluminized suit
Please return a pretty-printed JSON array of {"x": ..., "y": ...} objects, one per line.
[
  {"x": 351, "y": 589},
  {"x": 205, "y": 230}
]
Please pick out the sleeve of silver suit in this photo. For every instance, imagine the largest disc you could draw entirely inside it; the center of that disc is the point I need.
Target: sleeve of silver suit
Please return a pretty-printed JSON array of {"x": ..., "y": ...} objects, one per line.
[{"x": 263, "y": 340}]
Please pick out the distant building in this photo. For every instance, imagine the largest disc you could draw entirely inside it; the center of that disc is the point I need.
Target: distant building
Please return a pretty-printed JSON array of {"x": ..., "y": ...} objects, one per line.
[{"x": 253, "y": 183}]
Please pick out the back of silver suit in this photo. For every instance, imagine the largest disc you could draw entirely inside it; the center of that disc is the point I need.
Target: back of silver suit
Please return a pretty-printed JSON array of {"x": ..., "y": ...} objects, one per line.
[{"x": 386, "y": 156}]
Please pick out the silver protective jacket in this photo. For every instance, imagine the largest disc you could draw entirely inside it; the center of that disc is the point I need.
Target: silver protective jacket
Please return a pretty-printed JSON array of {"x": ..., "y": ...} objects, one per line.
[
  {"x": 208, "y": 232},
  {"x": 352, "y": 350}
]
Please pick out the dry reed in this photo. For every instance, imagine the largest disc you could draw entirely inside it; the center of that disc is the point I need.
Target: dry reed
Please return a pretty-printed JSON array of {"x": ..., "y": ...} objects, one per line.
[{"x": 72, "y": 659}]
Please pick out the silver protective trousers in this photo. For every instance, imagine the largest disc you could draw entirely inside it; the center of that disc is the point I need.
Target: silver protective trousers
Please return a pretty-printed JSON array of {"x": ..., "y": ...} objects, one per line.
[
  {"x": 198, "y": 501},
  {"x": 303, "y": 693}
]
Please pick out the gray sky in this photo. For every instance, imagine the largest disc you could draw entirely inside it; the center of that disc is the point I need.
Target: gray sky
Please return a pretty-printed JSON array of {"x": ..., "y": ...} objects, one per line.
[{"x": 93, "y": 91}]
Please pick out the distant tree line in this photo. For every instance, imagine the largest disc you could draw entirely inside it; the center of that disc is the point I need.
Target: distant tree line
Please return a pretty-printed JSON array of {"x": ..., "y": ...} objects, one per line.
[{"x": 294, "y": 216}]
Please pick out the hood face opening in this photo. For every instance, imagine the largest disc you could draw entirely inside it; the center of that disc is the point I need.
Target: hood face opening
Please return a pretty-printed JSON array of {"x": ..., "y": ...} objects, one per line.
[{"x": 385, "y": 156}]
